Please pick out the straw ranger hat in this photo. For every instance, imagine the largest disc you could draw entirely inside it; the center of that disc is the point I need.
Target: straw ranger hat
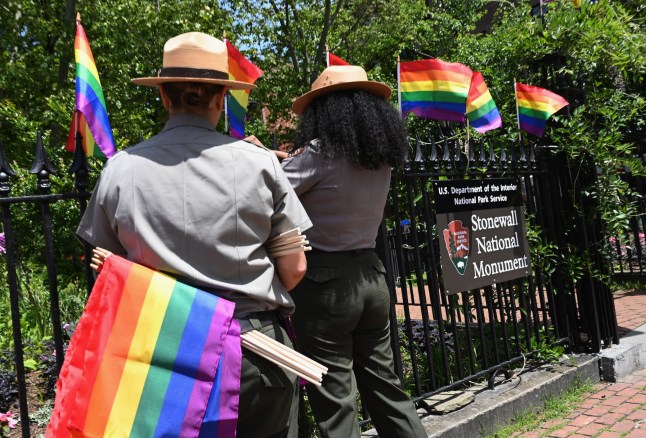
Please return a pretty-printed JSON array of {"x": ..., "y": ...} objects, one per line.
[
  {"x": 195, "y": 57},
  {"x": 340, "y": 77}
]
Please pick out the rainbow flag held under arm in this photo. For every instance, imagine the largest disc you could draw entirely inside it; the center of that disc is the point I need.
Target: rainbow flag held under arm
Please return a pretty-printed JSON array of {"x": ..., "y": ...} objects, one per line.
[
  {"x": 535, "y": 106},
  {"x": 434, "y": 89},
  {"x": 89, "y": 96},
  {"x": 150, "y": 357},
  {"x": 240, "y": 69},
  {"x": 482, "y": 111}
]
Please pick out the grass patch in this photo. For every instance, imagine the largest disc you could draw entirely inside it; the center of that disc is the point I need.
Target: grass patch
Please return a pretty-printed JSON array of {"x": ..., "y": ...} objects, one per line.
[{"x": 554, "y": 409}]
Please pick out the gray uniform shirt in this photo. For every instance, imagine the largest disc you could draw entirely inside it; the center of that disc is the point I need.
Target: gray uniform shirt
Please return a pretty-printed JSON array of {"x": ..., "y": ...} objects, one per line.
[
  {"x": 344, "y": 202},
  {"x": 198, "y": 205}
]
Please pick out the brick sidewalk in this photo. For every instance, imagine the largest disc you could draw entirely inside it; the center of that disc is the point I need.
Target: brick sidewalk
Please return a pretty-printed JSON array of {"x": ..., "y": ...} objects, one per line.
[{"x": 613, "y": 410}]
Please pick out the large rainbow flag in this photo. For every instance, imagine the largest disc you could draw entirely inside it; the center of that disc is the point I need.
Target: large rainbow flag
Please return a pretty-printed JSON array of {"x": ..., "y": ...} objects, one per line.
[
  {"x": 150, "y": 357},
  {"x": 240, "y": 69},
  {"x": 482, "y": 111},
  {"x": 535, "y": 106},
  {"x": 434, "y": 89},
  {"x": 90, "y": 103}
]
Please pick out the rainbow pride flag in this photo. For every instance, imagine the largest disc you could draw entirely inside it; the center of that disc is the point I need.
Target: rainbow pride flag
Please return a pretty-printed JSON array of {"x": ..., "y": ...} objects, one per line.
[
  {"x": 482, "y": 111},
  {"x": 434, "y": 89},
  {"x": 535, "y": 106},
  {"x": 150, "y": 357},
  {"x": 240, "y": 69},
  {"x": 79, "y": 124},
  {"x": 89, "y": 95},
  {"x": 332, "y": 59}
]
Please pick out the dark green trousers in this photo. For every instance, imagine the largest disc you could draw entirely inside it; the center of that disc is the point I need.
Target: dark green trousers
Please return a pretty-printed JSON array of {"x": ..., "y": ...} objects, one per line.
[
  {"x": 341, "y": 321},
  {"x": 268, "y": 394}
]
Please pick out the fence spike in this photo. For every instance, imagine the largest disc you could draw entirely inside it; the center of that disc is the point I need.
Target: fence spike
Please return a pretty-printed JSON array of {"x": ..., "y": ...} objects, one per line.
[
  {"x": 482, "y": 159},
  {"x": 419, "y": 157},
  {"x": 80, "y": 166},
  {"x": 435, "y": 162},
  {"x": 504, "y": 162},
  {"x": 493, "y": 163},
  {"x": 472, "y": 154},
  {"x": 513, "y": 156},
  {"x": 446, "y": 156},
  {"x": 42, "y": 166},
  {"x": 532, "y": 156},
  {"x": 5, "y": 172},
  {"x": 523, "y": 158},
  {"x": 458, "y": 155}
]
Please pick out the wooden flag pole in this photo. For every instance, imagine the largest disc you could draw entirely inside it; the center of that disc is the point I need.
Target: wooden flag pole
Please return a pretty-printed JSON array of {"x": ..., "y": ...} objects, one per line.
[
  {"x": 468, "y": 146},
  {"x": 399, "y": 91},
  {"x": 520, "y": 136},
  {"x": 327, "y": 56},
  {"x": 226, "y": 106}
]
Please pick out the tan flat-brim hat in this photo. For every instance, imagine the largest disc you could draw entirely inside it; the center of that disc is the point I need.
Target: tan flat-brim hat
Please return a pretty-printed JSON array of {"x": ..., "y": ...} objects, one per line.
[
  {"x": 195, "y": 57},
  {"x": 340, "y": 77}
]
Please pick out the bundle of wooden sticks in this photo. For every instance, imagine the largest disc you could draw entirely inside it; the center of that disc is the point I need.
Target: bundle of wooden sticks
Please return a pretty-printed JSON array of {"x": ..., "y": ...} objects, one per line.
[
  {"x": 289, "y": 242},
  {"x": 283, "y": 356}
]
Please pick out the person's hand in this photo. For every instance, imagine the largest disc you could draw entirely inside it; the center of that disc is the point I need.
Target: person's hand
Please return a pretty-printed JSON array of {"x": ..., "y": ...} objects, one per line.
[
  {"x": 99, "y": 256},
  {"x": 254, "y": 140},
  {"x": 281, "y": 155}
]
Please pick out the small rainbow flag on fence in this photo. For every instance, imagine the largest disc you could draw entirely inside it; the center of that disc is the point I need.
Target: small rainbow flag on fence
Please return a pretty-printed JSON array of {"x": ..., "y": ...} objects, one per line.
[
  {"x": 79, "y": 124},
  {"x": 434, "y": 89},
  {"x": 150, "y": 357},
  {"x": 240, "y": 69},
  {"x": 332, "y": 59},
  {"x": 482, "y": 111},
  {"x": 89, "y": 102},
  {"x": 535, "y": 106}
]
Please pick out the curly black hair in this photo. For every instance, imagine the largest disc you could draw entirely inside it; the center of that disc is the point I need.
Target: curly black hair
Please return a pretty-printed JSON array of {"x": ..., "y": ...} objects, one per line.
[{"x": 362, "y": 127}]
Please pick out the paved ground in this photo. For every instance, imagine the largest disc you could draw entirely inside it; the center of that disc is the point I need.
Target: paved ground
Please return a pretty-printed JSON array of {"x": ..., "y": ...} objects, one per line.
[{"x": 613, "y": 410}]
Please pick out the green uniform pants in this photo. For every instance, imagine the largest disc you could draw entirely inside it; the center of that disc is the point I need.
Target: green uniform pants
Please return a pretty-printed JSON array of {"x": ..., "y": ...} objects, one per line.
[
  {"x": 341, "y": 321},
  {"x": 268, "y": 393}
]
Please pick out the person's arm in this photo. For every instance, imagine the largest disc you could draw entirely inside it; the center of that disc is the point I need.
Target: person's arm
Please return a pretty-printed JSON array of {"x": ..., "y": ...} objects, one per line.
[
  {"x": 291, "y": 269},
  {"x": 281, "y": 155}
]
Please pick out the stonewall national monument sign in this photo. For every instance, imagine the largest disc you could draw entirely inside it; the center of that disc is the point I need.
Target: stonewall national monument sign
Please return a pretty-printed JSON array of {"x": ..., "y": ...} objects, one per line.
[{"x": 481, "y": 226}]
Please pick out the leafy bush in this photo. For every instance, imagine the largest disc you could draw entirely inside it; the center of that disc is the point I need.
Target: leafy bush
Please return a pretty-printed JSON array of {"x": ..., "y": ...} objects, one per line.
[{"x": 8, "y": 382}]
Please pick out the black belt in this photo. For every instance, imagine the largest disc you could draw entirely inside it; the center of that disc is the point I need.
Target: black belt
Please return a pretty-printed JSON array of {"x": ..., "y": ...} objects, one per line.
[
  {"x": 258, "y": 320},
  {"x": 348, "y": 252}
]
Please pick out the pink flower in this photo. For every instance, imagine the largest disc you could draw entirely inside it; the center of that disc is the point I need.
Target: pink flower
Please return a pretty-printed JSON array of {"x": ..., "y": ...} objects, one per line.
[{"x": 8, "y": 419}]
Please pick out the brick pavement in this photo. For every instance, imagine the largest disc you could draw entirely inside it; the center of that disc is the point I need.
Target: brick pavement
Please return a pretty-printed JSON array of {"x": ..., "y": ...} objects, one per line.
[{"x": 612, "y": 410}]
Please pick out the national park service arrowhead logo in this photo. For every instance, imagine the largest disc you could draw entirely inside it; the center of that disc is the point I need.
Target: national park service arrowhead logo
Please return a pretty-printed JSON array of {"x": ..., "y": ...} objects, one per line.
[{"x": 456, "y": 240}]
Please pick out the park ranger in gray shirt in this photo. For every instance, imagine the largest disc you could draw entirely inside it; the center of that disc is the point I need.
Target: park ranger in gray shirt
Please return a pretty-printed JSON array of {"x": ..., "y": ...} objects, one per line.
[
  {"x": 350, "y": 137},
  {"x": 200, "y": 206}
]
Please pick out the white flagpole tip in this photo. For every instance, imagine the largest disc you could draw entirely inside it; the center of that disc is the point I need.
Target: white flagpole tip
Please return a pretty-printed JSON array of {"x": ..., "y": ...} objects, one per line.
[{"x": 78, "y": 17}]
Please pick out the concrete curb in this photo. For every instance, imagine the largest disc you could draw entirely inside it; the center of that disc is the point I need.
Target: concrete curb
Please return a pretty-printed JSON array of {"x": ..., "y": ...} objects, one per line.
[
  {"x": 527, "y": 392},
  {"x": 493, "y": 408},
  {"x": 629, "y": 356}
]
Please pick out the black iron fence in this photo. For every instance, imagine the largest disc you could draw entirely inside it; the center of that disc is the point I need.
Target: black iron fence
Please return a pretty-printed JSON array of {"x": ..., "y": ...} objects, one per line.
[
  {"x": 628, "y": 252},
  {"x": 440, "y": 341},
  {"x": 444, "y": 341}
]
